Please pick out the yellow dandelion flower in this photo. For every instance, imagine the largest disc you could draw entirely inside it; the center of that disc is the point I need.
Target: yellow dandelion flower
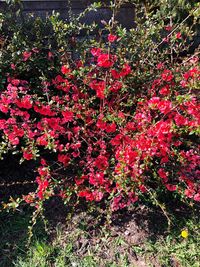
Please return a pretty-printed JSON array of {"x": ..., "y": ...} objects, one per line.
[{"x": 184, "y": 233}]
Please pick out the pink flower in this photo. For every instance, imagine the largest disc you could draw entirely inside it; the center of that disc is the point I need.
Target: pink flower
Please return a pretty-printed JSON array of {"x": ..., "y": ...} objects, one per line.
[
  {"x": 197, "y": 197},
  {"x": 183, "y": 83},
  {"x": 189, "y": 193},
  {"x": 97, "y": 195},
  {"x": 13, "y": 67}
]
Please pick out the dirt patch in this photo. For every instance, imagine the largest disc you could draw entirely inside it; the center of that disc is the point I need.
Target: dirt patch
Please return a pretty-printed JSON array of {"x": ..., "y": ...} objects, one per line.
[{"x": 90, "y": 232}]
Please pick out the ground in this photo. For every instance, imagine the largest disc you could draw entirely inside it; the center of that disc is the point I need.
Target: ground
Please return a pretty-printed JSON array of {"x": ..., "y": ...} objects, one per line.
[{"x": 138, "y": 237}]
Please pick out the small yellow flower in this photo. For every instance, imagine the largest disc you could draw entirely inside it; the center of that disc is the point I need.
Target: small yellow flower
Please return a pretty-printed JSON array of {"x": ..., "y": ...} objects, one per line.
[{"x": 184, "y": 233}]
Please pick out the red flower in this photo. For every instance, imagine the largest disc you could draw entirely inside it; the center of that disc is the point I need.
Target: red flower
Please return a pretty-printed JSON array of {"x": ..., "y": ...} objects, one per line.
[
  {"x": 43, "y": 162},
  {"x": 40, "y": 195},
  {"x": 110, "y": 128},
  {"x": 97, "y": 179},
  {"x": 130, "y": 155},
  {"x": 117, "y": 140},
  {"x": 79, "y": 64},
  {"x": 163, "y": 175},
  {"x": 28, "y": 198},
  {"x": 43, "y": 172},
  {"x": 2, "y": 124},
  {"x": 171, "y": 187},
  {"x": 64, "y": 159},
  {"x": 101, "y": 124},
  {"x": 165, "y": 90},
  {"x": 15, "y": 82},
  {"x": 167, "y": 75},
  {"x": 13, "y": 139},
  {"x": 130, "y": 126},
  {"x": 116, "y": 86},
  {"x": 116, "y": 75},
  {"x": 42, "y": 140},
  {"x": 142, "y": 188},
  {"x": 43, "y": 185},
  {"x": 168, "y": 28},
  {"x": 105, "y": 61},
  {"x": 24, "y": 102},
  {"x": 44, "y": 110},
  {"x": 121, "y": 115},
  {"x": 189, "y": 193},
  {"x": 165, "y": 106},
  {"x": 112, "y": 38},
  {"x": 126, "y": 70},
  {"x": 178, "y": 35},
  {"x": 95, "y": 52},
  {"x": 101, "y": 162},
  {"x": 116, "y": 203},
  {"x": 180, "y": 120},
  {"x": 99, "y": 87},
  {"x": 65, "y": 70},
  {"x": 28, "y": 155},
  {"x": 26, "y": 55},
  {"x": 88, "y": 195},
  {"x": 80, "y": 180},
  {"x": 68, "y": 116}
]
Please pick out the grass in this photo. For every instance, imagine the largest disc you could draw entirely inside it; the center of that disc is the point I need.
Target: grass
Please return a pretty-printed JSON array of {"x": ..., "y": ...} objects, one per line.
[
  {"x": 73, "y": 243},
  {"x": 173, "y": 249}
]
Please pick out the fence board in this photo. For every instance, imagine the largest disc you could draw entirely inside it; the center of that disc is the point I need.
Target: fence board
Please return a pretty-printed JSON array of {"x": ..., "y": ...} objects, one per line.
[{"x": 44, "y": 8}]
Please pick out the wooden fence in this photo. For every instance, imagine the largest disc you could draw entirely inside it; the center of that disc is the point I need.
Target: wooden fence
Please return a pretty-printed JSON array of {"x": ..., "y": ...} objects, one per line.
[{"x": 41, "y": 8}]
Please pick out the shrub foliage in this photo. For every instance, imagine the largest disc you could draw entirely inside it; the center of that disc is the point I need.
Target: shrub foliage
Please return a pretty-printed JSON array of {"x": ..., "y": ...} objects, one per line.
[{"x": 108, "y": 117}]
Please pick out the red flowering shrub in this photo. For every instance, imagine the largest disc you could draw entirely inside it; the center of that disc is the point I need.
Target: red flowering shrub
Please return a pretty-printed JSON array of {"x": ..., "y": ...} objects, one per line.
[
  {"x": 100, "y": 131},
  {"x": 112, "y": 150}
]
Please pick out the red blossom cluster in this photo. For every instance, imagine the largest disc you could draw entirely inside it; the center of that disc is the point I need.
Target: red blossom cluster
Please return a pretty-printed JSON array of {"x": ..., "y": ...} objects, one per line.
[{"x": 91, "y": 145}]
